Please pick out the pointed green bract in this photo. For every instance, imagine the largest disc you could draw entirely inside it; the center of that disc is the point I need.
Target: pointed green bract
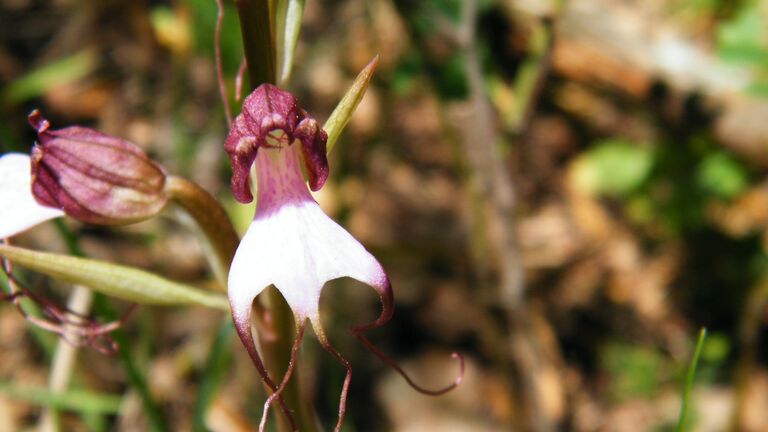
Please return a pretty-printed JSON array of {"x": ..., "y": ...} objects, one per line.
[
  {"x": 288, "y": 15},
  {"x": 114, "y": 280},
  {"x": 343, "y": 111}
]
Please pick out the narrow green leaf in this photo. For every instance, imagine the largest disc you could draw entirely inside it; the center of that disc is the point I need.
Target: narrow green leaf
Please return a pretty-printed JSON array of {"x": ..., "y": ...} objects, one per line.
[
  {"x": 115, "y": 280},
  {"x": 40, "y": 80},
  {"x": 134, "y": 372},
  {"x": 72, "y": 400},
  {"x": 288, "y": 16},
  {"x": 682, "y": 422},
  {"x": 215, "y": 367},
  {"x": 343, "y": 111}
]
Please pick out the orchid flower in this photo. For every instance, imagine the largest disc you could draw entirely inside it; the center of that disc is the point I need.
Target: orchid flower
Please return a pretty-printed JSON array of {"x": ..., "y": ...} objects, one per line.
[{"x": 291, "y": 243}]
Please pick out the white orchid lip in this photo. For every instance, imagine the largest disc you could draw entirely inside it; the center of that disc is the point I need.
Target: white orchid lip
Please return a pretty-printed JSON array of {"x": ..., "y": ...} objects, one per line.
[
  {"x": 293, "y": 245},
  {"x": 19, "y": 210}
]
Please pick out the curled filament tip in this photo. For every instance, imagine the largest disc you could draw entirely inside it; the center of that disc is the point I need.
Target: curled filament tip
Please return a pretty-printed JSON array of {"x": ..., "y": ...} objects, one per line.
[
  {"x": 391, "y": 363},
  {"x": 388, "y": 305},
  {"x": 387, "y": 301}
]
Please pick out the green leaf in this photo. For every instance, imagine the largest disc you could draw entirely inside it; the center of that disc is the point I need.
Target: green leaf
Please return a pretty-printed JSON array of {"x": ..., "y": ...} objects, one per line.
[
  {"x": 744, "y": 38},
  {"x": 612, "y": 167},
  {"x": 72, "y": 400},
  {"x": 721, "y": 175},
  {"x": 47, "y": 77},
  {"x": 287, "y": 27},
  {"x": 115, "y": 280},
  {"x": 758, "y": 88},
  {"x": 343, "y": 111}
]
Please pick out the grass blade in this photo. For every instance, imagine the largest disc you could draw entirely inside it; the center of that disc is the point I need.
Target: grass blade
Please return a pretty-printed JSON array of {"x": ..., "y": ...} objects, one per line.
[
  {"x": 685, "y": 403},
  {"x": 215, "y": 366},
  {"x": 135, "y": 375}
]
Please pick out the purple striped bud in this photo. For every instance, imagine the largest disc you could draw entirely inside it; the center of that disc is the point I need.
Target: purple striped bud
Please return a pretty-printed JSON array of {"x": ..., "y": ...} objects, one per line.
[{"x": 94, "y": 177}]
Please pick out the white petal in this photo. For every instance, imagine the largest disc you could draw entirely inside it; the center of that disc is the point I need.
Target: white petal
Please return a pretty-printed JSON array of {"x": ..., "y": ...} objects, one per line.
[
  {"x": 297, "y": 248},
  {"x": 18, "y": 209},
  {"x": 292, "y": 244}
]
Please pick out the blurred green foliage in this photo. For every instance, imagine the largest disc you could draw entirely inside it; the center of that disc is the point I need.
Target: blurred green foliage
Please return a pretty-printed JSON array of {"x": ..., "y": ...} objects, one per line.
[
  {"x": 634, "y": 371},
  {"x": 721, "y": 175},
  {"x": 743, "y": 40},
  {"x": 613, "y": 167},
  {"x": 40, "y": 80},
  {"x": 667, "y": 183},
  {"x": 73, "y": 400}
]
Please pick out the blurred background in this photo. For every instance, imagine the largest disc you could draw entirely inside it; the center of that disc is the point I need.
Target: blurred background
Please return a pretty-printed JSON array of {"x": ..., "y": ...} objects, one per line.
[{"x": 564, "y": 192}]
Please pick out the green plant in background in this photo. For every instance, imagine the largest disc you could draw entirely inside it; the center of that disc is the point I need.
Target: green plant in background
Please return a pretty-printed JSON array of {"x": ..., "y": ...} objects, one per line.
[
  {"x": 635, "y": 371},
  {"x": 667, "y": 184},
  {"x": 615, "y": 168},
  {"x": 721, "y": 176},
  {"x": 743, "y": 40}
]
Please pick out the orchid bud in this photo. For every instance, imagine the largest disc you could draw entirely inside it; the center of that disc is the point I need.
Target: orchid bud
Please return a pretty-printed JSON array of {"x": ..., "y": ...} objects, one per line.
[{"x": 93, "y": 177}]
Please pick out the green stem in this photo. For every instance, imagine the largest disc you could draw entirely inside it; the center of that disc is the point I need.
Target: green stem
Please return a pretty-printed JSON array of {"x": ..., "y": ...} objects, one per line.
[
  {"x": 221, "y": 239},
  {"x": 258, "y": 40},
  {"x": 276, "y": 353}
]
